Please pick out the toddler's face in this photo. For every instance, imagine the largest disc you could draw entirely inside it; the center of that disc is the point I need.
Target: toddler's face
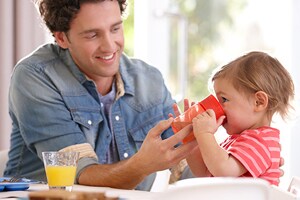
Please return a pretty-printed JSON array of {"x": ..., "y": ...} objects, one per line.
[{"x": 238, "y": 107}]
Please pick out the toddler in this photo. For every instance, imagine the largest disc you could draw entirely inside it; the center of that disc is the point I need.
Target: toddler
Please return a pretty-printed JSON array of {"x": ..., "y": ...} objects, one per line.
[{"x": 251, "y": 89}]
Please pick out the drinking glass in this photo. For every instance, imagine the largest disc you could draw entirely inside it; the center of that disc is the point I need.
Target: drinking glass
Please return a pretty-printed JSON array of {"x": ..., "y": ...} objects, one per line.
[
  {"x": 210, "y": 102},
  {"x": 60, "y": 169}
]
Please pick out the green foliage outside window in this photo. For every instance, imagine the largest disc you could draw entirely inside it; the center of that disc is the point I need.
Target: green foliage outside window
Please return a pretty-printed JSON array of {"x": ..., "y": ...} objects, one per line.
[
  {"x": 129, "y": 28},
  {"x": 206, "y": 20}
]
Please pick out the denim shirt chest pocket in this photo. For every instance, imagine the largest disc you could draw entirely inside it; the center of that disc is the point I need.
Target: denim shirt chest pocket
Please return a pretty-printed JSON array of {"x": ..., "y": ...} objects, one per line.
[
  {"x": 86, "y": 112},
  {"x": 143, "y": 126}
]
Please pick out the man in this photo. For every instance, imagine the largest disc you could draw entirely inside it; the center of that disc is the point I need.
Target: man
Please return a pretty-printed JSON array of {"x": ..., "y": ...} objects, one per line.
[{"x": 83, "y": 94}]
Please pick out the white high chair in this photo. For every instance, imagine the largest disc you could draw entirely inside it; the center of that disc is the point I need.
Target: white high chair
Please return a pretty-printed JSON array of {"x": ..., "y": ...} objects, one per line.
[
  {"x": 294, "y": 187},
  {"x": 215, "y": 188}
]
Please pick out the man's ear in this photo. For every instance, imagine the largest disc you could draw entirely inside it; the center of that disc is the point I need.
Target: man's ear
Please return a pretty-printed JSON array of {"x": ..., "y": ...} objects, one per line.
[
  {"x": 261, "y": 101},
  {"x": 61, "y": 39}
]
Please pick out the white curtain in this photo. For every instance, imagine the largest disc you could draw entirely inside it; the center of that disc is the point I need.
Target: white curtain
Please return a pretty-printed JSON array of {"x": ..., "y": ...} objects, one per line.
[{"x": 21, "y": 32}]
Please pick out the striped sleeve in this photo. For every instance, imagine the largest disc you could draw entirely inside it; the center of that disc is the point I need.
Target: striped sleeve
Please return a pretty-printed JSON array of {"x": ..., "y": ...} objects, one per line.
[{"x": 252, "y": 151}]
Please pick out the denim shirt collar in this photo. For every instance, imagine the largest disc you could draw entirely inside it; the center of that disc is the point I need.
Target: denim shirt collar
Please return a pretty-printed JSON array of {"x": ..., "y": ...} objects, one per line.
[
  {"x": 66, "y": 57},
  {"x": 129, "y": 85},
  {"x": 124, "y": 84}
]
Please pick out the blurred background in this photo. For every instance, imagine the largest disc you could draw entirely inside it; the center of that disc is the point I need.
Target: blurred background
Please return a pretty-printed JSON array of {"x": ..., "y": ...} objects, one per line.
[{"x": 185, "y": 40}]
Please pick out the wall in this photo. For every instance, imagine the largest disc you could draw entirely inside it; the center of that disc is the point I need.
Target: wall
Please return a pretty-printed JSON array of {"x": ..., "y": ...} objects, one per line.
[{"x": 21, "y": 32}]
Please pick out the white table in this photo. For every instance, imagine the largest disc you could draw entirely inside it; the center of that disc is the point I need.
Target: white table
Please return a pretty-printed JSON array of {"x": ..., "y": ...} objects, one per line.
[
  {"x": 204, "y": 188},
  {"x": 128, "y": 194}
]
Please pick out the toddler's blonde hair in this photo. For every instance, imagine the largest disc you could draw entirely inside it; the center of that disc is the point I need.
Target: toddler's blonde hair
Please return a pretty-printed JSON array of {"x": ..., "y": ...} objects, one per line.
[{"x": 257, "y": 71}]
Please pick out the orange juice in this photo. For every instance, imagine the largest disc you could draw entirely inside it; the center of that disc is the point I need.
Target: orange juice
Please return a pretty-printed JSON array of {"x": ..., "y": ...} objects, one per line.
[{"x": 60, "y": 176}]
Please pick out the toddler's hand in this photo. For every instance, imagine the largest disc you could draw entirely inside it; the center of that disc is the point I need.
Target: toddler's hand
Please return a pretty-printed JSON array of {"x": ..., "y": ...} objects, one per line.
[{"x": 206, "y": 122}]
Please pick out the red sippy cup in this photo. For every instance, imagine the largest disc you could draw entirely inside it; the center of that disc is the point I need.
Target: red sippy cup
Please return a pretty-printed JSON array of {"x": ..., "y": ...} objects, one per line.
[{"x": 210, "y": 102}]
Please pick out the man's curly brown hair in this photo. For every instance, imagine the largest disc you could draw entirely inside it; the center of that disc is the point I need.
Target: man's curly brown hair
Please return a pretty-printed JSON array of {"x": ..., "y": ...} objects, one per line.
[{"x": 58, "y": 14}]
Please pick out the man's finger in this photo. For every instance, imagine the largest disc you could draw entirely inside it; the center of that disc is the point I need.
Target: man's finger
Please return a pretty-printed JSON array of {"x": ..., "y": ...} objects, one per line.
[
  {"x": 160, "y": 127},
  {"x": 179, "y": 136},
  {"x": 183, "y": 150},
  {"x": 281, "y": 162},
  {"x": 186, "y": 104},
  {"x": 176, "y": 109}
]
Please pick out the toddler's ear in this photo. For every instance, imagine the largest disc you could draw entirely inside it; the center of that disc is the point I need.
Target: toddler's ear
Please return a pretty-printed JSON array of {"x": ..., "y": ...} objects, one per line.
[{"x": 261, "y": 100}]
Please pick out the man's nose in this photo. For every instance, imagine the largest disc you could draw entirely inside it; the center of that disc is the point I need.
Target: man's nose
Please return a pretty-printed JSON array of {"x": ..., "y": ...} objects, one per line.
[{"x": 107, "y": 42}]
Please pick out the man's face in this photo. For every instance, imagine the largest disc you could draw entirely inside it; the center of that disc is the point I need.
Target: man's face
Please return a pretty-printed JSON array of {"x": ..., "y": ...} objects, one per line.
[{"x": 96, "y": 40}]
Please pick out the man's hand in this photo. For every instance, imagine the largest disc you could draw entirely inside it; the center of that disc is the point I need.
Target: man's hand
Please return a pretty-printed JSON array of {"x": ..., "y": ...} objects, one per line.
[
  {"x": 157, "y": 154},
  {"x": 154, "y": 155},
  {"x": 177, "y": 110},
  {"x": 281, "y": 163}
]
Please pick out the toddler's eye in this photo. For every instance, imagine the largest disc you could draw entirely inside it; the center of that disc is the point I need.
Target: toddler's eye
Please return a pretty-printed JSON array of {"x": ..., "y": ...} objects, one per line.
[{"x": 224, "y": 99}]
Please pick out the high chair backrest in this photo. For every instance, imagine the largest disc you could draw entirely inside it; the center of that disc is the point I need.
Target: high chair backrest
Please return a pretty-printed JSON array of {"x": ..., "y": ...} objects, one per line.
[
  {"x": 294, "y": 187},
  {"x": 215, "y": 188}
]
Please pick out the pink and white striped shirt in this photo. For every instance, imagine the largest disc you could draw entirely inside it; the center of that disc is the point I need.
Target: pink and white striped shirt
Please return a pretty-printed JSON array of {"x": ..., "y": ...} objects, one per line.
[{"x": 259, "y": 152}]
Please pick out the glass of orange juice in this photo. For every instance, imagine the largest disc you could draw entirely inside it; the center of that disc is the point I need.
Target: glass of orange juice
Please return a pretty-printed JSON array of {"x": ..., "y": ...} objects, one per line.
[{"x": 60, "y": 169}]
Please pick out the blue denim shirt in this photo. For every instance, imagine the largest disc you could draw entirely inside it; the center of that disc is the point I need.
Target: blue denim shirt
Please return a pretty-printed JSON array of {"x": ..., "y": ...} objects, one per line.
[{"x": 52, "y": 105}]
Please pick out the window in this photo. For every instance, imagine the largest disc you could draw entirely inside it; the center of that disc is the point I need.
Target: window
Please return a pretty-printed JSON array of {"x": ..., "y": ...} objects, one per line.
[{"x": 212, "y": 33}]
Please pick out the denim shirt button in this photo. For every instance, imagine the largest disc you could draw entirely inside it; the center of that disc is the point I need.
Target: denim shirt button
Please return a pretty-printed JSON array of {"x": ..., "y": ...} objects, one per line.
[
  {"x": 90, "y": 122},
  {"x": 117, "y": 118},
  {"x": 125, "y": 155}
]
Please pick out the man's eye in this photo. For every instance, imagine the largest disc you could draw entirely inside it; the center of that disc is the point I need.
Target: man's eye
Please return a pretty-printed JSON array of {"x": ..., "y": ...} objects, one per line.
[
  {"x": 90, "y": 36},
  {"x": 224, "y": 99},
  {"x": 115, "y": 29}
]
